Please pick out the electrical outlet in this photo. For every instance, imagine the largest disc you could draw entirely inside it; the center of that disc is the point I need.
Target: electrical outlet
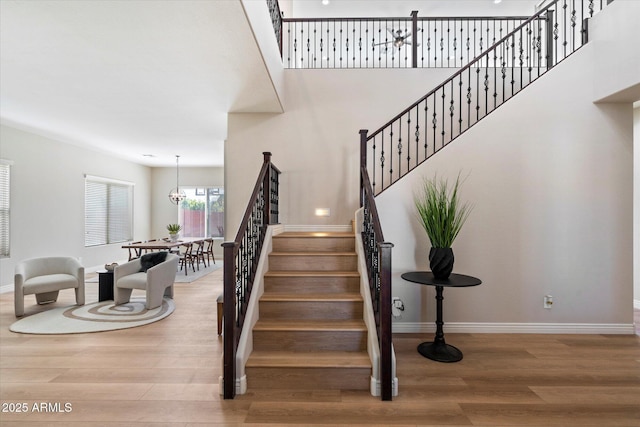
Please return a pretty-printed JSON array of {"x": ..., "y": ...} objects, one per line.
[
  {"x": 548, "y": 301},
  {"x": 397, "y": 307}
]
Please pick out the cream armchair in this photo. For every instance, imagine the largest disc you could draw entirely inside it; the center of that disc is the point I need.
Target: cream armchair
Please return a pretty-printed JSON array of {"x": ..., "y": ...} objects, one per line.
[
  {"x": 157, "y": 281},
  {"x": 45, "y": 277}
]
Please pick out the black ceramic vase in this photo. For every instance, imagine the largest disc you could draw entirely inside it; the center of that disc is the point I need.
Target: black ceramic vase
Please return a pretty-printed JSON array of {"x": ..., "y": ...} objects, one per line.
[{"x": 441, "y": 262}]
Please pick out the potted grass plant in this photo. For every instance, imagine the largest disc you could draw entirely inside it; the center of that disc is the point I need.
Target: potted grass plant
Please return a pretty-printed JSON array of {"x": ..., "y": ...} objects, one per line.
[
  {"x": 442, "y": 215},
  {"x": 174, "y": 229}
]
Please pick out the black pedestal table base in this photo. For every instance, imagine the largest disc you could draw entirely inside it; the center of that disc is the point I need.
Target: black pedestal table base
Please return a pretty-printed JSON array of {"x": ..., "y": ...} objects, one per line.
[{"x": 439, "y": 350}]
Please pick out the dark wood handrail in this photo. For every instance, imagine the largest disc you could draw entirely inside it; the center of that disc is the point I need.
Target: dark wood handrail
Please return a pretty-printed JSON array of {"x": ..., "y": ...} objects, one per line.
[
  {"x": 240, "y": 262},
  {"x": 378, "y": 262},
  {"x": 254, "y": 194},
  {"x": 463, "y": 69},
  {"x": 404, "y": 18},
  {"x": 477, "y": 89}
]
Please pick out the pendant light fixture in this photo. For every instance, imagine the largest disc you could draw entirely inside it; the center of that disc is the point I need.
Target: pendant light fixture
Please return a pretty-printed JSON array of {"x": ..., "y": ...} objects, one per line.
[{"x": 176, "y": 195}]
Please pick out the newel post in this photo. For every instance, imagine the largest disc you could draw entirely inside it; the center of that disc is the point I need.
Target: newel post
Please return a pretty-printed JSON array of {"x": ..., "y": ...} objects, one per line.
[
  {"x": 363, "y": 161},
  {"x": 414, "y": 39},
  {"x": 386, "y": 361},
  {"x": 229, "y": 308},
  {"x": 266, "y": 189}
]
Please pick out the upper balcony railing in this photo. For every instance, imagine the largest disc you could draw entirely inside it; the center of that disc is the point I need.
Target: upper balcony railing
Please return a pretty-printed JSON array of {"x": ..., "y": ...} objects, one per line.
[
  {"x": 477, "y": 89},
  {"x": 423, "y": 42},
  {"x": 411, "y": 42}
]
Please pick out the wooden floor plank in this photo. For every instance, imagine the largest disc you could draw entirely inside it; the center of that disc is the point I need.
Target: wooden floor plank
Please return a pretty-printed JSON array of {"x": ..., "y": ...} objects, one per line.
[{"x": 166, "y": 375}]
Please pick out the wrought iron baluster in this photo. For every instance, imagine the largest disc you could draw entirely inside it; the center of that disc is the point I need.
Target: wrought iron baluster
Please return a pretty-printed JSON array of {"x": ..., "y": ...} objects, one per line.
[
  {"x": 381, "y": 162},
  {"x": 417, "y": 135},
  {"x": 443, "y": 116},
  {"x": 391, "y": 180},
  {"x": 408, "y": 141},
  {"x": 399, "y": 148},
  {"x": 459, "y": 105}
]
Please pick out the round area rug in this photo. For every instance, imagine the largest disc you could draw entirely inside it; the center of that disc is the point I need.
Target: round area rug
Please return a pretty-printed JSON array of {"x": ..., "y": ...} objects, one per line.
[{"x": 94, "y": 317}]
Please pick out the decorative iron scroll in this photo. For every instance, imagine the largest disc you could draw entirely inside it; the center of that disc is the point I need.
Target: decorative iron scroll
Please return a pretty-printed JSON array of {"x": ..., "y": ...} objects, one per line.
[
  {"x": 241, "y": 262},
  {"x": 411, "y": 42},
  {"x": 276, "y": 20},
  {"x": 377, "y": 254},
  {"x": 515, "y": 61}
]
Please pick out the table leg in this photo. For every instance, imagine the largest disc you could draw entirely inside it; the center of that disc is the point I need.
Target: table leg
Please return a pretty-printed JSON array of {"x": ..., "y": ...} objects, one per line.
[{"x": 439, "y": 350}]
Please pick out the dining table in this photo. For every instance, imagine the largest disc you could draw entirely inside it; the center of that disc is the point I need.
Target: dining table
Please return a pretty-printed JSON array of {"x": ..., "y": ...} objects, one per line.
[{"x": 161, "y": 244}]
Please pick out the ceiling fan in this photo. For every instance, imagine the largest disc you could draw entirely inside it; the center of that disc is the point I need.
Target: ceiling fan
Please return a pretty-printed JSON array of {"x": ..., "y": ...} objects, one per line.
[{"x": 399, "y": 39}]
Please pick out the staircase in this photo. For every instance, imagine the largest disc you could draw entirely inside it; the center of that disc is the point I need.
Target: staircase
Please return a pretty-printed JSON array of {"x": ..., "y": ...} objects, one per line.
[{"x": 310, "y": 333}]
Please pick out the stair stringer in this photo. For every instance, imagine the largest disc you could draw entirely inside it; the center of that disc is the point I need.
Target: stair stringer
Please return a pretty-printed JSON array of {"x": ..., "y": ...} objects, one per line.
[
  {"x": 373, "y": 347},
  {"x": 245, "y": 345}
]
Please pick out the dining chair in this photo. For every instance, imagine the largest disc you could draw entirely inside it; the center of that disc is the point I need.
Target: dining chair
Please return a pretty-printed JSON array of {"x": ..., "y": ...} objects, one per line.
[
  {"x": 186, "y": 257},
  {"x": 134, "y": 252},
  {"x": 208, "y": 251},
  {"x": 199, "y": 254}
]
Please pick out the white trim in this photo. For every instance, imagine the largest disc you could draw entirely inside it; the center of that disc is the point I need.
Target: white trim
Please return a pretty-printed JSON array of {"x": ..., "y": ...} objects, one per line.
[
  {"x": 6, "y": 162},
  {"x": 319, "y": 228},
  {"x": 636, "y": 304},
  {"x": 7, "y": 288},
  {"x": 241, "y": 385},
  {"x": 376, "y": 388},
  {"x": 108, "y": 180},
  {"x": 245, "y": 344},
  {"x": 518, "y": 328}
]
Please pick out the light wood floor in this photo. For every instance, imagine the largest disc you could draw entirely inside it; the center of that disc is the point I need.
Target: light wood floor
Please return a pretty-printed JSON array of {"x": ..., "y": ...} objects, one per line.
[{"x": 166, "y": 374}]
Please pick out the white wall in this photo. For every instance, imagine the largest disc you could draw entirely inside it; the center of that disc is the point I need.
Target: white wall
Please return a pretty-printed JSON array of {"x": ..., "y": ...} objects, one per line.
[
  {"x": 47, "y": 199},
  {"x": 551, "y": 177},
  {"x": 615, "y": 36},
  {"x": 316, "y": 142},
  {"x": 636, "y": 205},
  {"x": 164, "y": 212}
]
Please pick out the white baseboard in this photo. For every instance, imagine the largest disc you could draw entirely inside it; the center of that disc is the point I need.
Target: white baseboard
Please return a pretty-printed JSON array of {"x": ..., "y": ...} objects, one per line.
[
  {"x": 636, "y": 304},
  {"x": 376, "y": 389},
  {"x": 6, "y": 288},
  {"x": 241, "y": 385},
  {"x": 517, "y": 328}
]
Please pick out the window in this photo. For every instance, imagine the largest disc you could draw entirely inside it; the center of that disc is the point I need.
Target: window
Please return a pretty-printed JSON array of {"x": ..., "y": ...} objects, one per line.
[
  {"x": 201, "y": 214},
  {"x": 108, "y": 211},
  {"x": 5, "y": 204}
]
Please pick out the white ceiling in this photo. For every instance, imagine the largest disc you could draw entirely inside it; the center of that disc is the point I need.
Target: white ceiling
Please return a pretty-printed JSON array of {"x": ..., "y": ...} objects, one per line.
[
  {"x": 131, "y": 77},
  {"x": 403, "y": 8},
  {"x": 156, "y": 77}
]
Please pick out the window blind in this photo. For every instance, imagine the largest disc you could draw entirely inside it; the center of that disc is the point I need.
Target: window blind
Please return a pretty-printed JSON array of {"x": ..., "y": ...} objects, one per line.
[
  {"x": 108, "y": 211},
  {"x": 5, "y": 204}
]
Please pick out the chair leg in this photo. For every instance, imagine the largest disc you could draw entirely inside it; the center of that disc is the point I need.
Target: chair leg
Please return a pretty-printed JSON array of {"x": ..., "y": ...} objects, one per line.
[
  {"x": 121, "y": 295},
  {"x": 18, "y": 302},
  {"x": 80, "y": 295}
]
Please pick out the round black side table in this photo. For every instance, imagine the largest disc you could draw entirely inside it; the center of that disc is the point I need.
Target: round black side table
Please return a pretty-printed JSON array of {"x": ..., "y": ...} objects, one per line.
[
  {"x": 439, "y": 350},
  {"x": 105, "y": 285}
]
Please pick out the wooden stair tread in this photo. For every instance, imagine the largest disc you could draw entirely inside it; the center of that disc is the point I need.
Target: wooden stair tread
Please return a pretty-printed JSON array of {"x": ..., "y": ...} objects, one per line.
[
  {"x": 308, "y": 273},
  {"x": 342, "y": 296},
  {"x": 319, "y": 359},
  {"x": 310, "y": 325},
  {"x": 315, "y": 234},
  {"x": 313, "y": 254}
]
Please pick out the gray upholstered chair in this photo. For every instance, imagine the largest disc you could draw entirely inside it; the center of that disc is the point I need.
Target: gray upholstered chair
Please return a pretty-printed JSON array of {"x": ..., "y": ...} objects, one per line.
[
  {"x": 45, "y": 277},
  {"x": 157, "y": 280}
]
